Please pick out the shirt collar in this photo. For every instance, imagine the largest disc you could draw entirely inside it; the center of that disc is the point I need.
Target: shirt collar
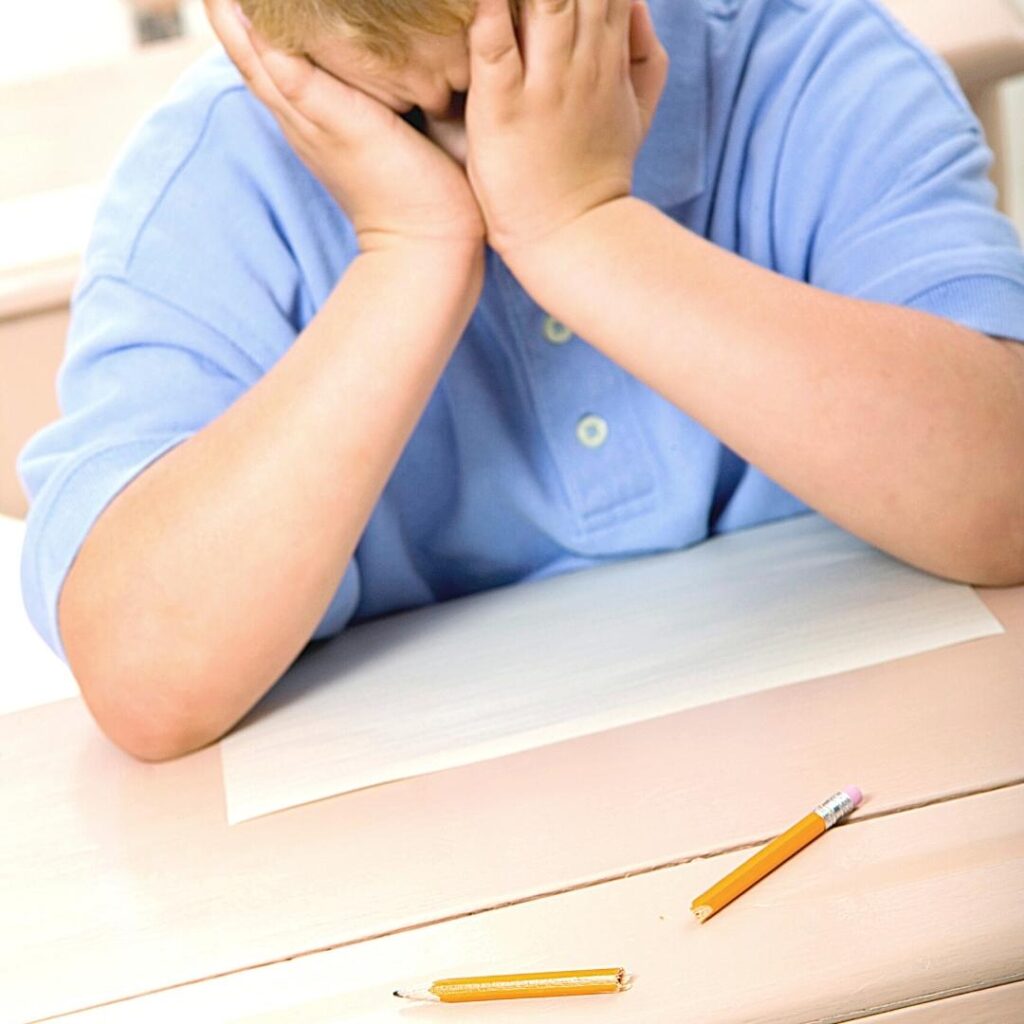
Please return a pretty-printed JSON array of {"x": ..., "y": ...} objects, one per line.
[{"x": 671, "y": 166}]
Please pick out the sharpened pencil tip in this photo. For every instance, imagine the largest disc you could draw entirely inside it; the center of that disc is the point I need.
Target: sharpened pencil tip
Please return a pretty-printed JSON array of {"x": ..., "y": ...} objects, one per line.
[{"x": 420, "y": 997}]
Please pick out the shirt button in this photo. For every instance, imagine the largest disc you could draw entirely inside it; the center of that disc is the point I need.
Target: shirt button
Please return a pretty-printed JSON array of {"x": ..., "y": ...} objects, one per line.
[
  {"x": 592, "y": 431},
  {"x": 557, "y": 333}
]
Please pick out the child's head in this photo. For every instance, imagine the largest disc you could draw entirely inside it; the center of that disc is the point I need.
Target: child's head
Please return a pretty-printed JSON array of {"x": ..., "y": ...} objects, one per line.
[
  {"x": 407, "y": 53},
  {"x": 387, "y": 29}
]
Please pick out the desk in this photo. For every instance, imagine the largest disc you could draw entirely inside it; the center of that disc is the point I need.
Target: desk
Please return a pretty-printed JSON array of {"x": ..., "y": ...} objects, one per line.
[
  {"x": 122, "y": 889},
  {"x": 30, "y": 673}
]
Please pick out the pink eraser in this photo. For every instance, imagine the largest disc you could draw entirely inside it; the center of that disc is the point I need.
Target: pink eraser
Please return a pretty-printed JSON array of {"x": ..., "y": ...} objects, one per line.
[{"x": 854, "y": 793}]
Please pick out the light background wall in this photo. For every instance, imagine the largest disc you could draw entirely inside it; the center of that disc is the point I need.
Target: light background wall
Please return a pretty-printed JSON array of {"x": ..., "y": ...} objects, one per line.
[{"x": 39, "y": 37}]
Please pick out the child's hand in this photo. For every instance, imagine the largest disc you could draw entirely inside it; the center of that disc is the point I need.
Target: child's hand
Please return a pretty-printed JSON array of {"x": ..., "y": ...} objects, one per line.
[
  {"x": 554, "y": 130},
  {"x": 394, "y": 184}
]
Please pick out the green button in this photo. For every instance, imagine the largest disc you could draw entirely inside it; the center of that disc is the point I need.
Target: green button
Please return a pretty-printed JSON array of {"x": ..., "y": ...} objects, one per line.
[
  {"x": 592, "y": 431},
  {"x": 557, "y": 333}
]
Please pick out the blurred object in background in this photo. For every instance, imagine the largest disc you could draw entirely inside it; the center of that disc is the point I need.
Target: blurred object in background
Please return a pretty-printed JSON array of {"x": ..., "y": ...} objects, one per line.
[
  {"x": 157, "y": 19},
  {"x": 48, "y": 37}
]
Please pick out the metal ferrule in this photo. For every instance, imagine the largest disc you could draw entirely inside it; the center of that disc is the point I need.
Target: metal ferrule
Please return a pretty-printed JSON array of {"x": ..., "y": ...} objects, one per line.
[{"x": 834, "y": 809}]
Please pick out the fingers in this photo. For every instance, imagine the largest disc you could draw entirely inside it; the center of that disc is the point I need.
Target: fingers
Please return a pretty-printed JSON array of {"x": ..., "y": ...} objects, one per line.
[
  {"x": 238, "y": 43},
  {"x": 329, "y": 104},
  {"x": 559, "y": 30},
  {"x": 304, "y": 97},
  {"x": 291, "y": 75},
  {"x": 549, "y": 34},
  {"x": 618, "y": 32},
  {"x": 295, "y": 79},
  {"x": 618, "y": 17},
  {"x": 496, "y": 64},
  {"x": 648, "y": 62},
  {"x": 591, "y": 26}
]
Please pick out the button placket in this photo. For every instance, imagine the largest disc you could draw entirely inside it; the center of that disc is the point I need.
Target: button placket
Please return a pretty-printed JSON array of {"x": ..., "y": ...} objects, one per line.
[
  {"x": 581, "y": 399},
  {"x": 567, "y": 383}
]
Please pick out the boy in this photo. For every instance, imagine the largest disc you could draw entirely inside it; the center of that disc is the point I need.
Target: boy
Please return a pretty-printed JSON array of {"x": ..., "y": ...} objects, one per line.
[{"x": 300, "y": 390}]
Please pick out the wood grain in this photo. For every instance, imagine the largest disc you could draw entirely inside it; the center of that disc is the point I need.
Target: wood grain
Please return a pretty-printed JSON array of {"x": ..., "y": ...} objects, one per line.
[
  {"x": 1003, "y": 1004},
  {"x": 126, "y": 875},
  {"x": 876, "y": 915}
]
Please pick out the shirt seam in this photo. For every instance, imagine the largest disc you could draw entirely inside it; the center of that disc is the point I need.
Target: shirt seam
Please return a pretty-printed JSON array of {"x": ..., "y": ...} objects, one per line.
[
  {"x": 118, "y": 278},
  {"x": 167, "y": 441},
  {"x": 182, "y": 164},
  {"x": 921, "y": 143},
  {"x": 948, "y": 282},
  {"x": 610, "y": 516},
  {"x": 908, "y": 41},
  {"x": 516, "y": 359},
  {"x": 902, "y": 173},
  {"x": 924, "y": 57}
]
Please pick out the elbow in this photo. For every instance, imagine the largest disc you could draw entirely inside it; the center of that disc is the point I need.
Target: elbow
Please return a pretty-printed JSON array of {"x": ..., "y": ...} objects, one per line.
[
  {"x": 150, "y": 731},
  {"x": 148, "y": 714},
  {"x": 986, "y": 548},
  {"x": 153, "y": 703},
  {"x": 157, "y": 742}
]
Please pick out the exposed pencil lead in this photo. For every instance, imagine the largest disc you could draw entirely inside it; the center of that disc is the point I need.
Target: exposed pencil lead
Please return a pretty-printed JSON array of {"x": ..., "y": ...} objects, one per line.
[{"x": 420, "y": 997}]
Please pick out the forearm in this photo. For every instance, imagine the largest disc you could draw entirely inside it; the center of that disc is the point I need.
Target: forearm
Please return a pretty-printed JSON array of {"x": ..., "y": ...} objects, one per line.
[
  {"x": 206, "y": 576},
  {"x": 904, "y": 428}
]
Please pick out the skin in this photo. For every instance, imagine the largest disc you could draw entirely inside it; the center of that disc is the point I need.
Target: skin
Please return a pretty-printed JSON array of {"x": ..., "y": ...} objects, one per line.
[
  {"x": 906, "y": 429},
  {"x": 435, "y": 79}
]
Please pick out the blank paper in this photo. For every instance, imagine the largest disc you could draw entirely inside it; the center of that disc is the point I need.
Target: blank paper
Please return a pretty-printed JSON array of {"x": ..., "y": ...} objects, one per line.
[{"x": 520, "y": 667}]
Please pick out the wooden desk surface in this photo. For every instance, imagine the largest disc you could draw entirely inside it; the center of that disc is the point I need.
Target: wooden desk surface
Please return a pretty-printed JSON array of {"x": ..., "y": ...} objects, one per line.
[
  {"x": 30, "y": 673},
  {"x": 585, "y": 853}
]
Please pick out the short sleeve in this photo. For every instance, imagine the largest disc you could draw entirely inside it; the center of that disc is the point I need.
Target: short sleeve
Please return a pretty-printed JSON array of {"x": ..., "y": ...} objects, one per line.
[
  {"x": 189, "y": 295},
  {"x": 883, "y": 180},
  {"x": 140, "y": 377}
]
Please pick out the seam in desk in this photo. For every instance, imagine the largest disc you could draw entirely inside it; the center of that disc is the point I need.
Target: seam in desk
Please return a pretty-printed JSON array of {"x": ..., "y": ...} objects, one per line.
[
  {"x": 849, "y": 823},
  {"x": 935, "y": 997}
]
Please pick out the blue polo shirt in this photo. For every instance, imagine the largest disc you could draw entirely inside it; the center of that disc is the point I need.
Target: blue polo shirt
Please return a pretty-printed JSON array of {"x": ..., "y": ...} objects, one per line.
[{"x": 813, "y": 137}]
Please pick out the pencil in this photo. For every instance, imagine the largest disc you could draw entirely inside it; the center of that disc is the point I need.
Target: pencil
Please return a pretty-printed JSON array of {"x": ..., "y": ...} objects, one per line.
[
  {"x": 777, "y": 852},
  {"x": 524, "y": 986}
]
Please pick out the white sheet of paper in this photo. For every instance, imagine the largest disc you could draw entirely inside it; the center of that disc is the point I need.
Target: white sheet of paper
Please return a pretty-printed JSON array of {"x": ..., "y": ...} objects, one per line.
[{"x": 524, "y": 666}]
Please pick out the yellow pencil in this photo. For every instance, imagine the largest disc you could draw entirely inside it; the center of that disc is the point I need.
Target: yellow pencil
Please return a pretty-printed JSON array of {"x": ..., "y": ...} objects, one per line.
[
  {"x": 779, "y": 850},
  {"x": 524, "y": 986}
]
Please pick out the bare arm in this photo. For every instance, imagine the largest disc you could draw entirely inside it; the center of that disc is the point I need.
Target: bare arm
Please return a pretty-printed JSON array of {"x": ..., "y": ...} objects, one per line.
[
  {"x": 905, "y": 428},
  {"x": 245, "y": 529}
]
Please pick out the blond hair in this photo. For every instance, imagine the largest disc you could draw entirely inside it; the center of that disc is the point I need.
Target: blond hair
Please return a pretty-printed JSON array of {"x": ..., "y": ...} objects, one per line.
[{"x": 383, "y": 27}]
